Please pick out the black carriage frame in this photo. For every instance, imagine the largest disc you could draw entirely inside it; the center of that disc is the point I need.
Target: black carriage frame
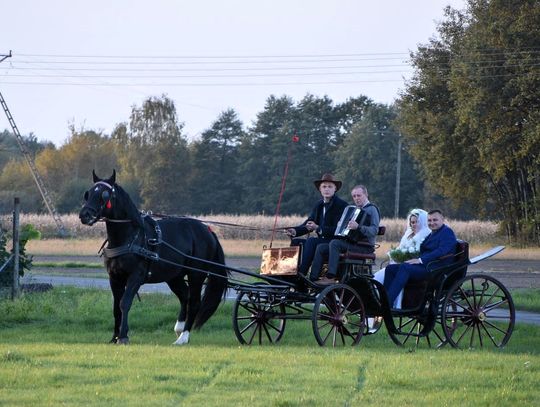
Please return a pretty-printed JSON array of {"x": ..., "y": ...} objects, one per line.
[{"x": 452, "y": 307}]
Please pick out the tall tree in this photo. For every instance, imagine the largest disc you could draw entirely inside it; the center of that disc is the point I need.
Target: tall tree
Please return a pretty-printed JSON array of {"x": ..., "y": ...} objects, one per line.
[
  {"x": 154, "y": 156},
  {"x": 260, "y": 173},
  {"x": 320, "y": 127},
  {"x": 68, "y": 169},
  {"x": 216, "y": 184},
  {"x": 369, "y": 156},
  {"x": 471, "y": 111}
]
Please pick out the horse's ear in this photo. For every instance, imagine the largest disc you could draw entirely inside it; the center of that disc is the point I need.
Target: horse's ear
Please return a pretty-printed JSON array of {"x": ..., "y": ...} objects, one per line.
[
  {"x": 96, "y": 178},
  {"x": 112, "y": 180}
]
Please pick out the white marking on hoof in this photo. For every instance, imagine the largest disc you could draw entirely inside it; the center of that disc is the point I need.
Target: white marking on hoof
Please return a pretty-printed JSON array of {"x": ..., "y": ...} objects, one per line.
[
  {"x": 182, "y": 339},
  {"x": 179, "y": 327}
]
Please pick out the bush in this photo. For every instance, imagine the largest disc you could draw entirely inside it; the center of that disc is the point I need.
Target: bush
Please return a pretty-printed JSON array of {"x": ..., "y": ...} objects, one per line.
[{"x": 27, "y": 232}]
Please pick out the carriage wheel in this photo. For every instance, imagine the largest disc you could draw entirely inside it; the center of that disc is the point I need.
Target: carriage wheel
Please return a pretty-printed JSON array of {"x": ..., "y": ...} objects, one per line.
[
  {"x": 478, "y": 310},
  {"x": 338, "y": 317},
  {"x": 409, "y": 331},
  {"x": 255, "y": 319}
]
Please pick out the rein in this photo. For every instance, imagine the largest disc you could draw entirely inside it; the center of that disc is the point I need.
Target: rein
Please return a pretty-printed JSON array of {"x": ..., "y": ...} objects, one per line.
[
  {"x": 114, "y": 220},
  {"x": 211, "y": 222},
  {"x": 141, "y": 251}
]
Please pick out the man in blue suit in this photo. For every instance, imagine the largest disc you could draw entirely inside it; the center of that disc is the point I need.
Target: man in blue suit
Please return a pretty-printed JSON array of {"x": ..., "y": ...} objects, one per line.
[{"x": 439, "y": 243}]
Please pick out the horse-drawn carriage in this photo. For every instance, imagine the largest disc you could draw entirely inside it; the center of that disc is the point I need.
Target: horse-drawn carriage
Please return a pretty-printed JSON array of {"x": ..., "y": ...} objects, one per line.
[{"x": 451, "y": 307}]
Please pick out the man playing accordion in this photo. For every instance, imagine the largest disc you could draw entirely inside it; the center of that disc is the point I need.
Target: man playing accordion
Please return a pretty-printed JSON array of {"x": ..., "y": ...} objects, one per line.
[{"x": 354, "y": 235}]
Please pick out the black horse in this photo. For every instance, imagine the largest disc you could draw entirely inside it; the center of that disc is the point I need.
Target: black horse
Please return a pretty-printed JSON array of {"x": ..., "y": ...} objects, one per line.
[{"x": 142, "y": 250}]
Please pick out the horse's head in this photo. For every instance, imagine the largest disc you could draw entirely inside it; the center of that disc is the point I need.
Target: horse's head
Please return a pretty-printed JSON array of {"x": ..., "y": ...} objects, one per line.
[{"x": 98, "y": 200}]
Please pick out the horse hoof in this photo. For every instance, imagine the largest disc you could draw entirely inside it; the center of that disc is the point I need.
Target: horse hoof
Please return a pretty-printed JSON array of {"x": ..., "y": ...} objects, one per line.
[
  {"x": 183, "y": 339},
  {"x": 123, "y": 341}
]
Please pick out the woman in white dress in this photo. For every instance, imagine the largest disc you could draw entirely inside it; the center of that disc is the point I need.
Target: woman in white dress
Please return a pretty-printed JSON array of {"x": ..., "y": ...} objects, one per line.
[{"x": 417, "y": 231}]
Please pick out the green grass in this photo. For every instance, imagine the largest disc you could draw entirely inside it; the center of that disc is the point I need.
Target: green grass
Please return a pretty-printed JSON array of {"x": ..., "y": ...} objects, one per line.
[
  {"x": 68, "y": 264},
  {"x": 53, "y": 351},
  {"x": 526, "y": 299}
]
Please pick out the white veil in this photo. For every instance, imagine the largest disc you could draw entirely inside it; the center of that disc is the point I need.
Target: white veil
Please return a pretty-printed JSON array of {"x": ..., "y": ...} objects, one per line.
[{"x": 423, "y": 230}]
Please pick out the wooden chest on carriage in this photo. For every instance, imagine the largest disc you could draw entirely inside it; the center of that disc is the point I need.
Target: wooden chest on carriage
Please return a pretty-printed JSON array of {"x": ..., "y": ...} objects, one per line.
[{"x": 282, "y": 261}]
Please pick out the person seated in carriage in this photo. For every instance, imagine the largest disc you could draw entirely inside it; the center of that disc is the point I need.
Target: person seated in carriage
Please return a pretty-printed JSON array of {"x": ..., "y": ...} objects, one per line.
[
  {"x": 437, "y": 246},
  {"x": 409, "y": 245},
  {"x": 323, "y": 221},
  {"x": 360, "y": 238}
]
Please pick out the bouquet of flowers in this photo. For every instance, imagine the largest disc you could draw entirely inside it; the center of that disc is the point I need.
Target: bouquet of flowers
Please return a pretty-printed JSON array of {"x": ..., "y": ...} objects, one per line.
[{"x": 400, "y": 255}]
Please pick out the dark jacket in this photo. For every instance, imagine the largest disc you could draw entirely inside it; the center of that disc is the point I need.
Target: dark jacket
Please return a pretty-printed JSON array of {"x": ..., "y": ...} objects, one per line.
[
  {"x": 327, "y": 227},
  {"x": 438, "y": 244}
]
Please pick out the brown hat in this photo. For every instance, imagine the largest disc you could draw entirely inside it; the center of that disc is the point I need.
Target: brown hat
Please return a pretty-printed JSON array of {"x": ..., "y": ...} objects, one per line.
[{"x": 327, "y": 178}]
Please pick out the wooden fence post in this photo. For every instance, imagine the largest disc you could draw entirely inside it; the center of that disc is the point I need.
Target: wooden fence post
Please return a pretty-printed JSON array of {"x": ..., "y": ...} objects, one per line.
[{"x": 15, "y": 285}]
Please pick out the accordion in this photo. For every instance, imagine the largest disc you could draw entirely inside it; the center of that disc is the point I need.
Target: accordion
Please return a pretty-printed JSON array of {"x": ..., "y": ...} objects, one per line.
[{"x": 351, "y": 212}]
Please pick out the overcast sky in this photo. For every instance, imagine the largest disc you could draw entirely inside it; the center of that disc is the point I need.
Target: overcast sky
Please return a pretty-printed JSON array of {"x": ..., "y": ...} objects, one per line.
[{"x": 88, "y": 63}]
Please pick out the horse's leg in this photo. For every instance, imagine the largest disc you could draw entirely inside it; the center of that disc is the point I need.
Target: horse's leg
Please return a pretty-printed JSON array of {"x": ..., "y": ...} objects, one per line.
[
  {"x": 117, "y": 288},
  {"x": 133, "y": 284},
  {"x": 194, "y": 303},
  {"x": 179, "y": 287}
]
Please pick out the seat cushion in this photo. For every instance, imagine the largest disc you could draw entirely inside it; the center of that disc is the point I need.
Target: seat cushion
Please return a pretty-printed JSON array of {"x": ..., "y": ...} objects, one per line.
[{"x": 357, "y": 256}]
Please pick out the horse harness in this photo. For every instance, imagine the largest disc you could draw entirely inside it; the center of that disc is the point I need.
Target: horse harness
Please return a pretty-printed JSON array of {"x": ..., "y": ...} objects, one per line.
[{"x": 132, "y": 248}]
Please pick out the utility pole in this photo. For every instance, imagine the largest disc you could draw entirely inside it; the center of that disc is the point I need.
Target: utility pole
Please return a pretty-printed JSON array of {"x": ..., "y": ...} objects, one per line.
[
  {"x": 398, "y": 177},
  {"x": 33, "y": 169}
]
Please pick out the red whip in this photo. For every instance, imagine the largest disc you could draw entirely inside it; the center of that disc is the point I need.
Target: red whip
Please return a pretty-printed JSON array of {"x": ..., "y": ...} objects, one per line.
[{"x": 294, "y": 139}]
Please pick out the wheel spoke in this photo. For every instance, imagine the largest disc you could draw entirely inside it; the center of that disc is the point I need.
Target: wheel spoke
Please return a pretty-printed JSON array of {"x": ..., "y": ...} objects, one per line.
[
  {"x": 254, "y": 332},
  {"x": 268, "y": 336},
  {"x": 330, "y": 330},
  {"x": 468, "y": 327},
  {"x": 479, "y": 335},
  {"x": 248, "y": 326},
  {"x": 496, "y": 305},
  {"x": 493, "y": 326},
  {"x": 490, "y": 336}
]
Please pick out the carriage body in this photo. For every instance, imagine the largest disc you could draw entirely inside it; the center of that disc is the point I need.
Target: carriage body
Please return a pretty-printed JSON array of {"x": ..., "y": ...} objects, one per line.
[{"x": 451, "y": 307}]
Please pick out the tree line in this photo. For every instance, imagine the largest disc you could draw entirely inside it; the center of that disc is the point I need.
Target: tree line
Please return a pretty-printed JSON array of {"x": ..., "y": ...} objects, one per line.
[
  {"x": 466, "y": 128},
  {"x": 230, "y": 168}
]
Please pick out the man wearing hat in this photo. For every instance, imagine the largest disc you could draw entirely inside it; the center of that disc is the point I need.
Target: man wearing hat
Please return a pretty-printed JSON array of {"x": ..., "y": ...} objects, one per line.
[{"x": 323, "y": 220}]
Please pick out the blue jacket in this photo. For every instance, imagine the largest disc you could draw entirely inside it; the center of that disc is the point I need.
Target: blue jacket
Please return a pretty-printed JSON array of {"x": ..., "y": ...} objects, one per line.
[
  {"x": 437, "y": 244},
  {"x": 327, "y": 227}
]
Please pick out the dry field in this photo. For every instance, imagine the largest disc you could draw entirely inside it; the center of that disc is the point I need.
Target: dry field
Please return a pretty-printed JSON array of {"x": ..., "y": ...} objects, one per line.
[
  {"x": 239, "y": 241},
  {"x": 235, "y": 248},
  {"x": 256, "y": 227}
]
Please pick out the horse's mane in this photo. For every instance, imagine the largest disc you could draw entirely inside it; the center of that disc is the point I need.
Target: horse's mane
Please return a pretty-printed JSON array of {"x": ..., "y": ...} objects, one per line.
[{"x": 125, "y": 200}]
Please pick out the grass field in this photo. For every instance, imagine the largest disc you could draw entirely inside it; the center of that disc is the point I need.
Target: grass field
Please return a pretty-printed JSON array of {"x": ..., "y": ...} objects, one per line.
[{"x": 52, "y": 352}]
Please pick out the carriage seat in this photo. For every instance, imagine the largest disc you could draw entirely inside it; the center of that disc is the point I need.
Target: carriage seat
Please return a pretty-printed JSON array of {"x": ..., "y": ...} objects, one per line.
[
  {"x": 358, "y": 263},
  {"x": 356, "y": 256},
  {"x": 414, "y": 291}
]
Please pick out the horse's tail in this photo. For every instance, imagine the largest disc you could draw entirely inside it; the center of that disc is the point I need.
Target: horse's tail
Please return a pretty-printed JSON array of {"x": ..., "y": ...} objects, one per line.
[{"x": 216, "y": 288}]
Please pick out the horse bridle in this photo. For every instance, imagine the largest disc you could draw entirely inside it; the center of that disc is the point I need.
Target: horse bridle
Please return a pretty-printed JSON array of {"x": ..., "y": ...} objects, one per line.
[{"x": 107, "y": 195}]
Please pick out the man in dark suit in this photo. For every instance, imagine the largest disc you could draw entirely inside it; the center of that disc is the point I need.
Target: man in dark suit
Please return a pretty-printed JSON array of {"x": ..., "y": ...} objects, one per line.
[
  {"x": 323, "y": 220},
  {"x": 439, "y": 243}
]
